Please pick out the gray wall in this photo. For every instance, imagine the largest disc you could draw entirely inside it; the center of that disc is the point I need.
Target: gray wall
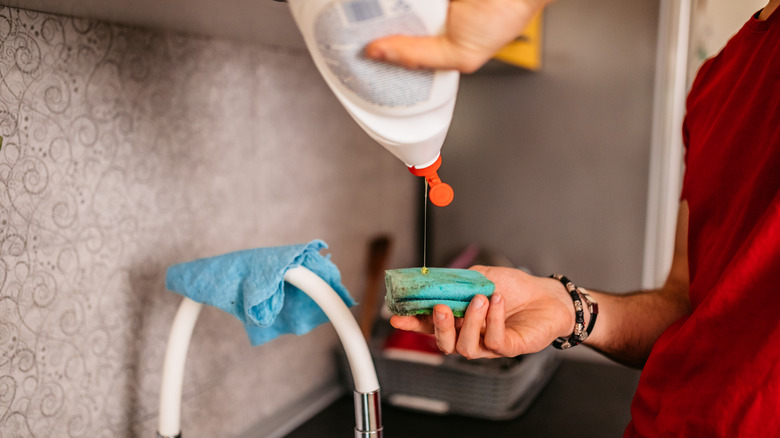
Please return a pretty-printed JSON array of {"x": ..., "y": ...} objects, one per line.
[
  {"x": 550, "y": 168},
  {"x": 128, "y": 150}
]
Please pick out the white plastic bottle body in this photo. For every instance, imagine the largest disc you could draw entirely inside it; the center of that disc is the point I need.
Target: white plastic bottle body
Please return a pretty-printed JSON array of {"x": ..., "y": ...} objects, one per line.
[{"x": 407, "y": 112}]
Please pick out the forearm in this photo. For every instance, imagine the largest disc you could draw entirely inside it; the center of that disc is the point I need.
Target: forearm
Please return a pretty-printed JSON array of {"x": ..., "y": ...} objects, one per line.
[{"x": 628, "y": 325}]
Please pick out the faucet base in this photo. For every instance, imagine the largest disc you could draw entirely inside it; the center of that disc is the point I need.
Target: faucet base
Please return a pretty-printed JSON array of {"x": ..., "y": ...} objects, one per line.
[{"x": 368, "y": 415}]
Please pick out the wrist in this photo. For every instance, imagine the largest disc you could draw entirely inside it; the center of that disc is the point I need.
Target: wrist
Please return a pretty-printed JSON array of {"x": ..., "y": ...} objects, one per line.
[
  {"x": 582, "y": 303},
  {"x": 566, "y": 311}
]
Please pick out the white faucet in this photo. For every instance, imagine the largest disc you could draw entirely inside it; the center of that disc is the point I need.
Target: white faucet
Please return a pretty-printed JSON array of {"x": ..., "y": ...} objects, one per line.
[{"x": 368, "y": 416}]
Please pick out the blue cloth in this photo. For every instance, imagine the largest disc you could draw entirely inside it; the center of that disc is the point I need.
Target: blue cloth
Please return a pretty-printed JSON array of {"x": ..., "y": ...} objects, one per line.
[{"x": 250, "y": 286}]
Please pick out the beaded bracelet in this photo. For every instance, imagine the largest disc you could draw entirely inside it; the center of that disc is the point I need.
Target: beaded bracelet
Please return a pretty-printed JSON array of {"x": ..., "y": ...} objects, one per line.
[
  {"x": 593, "y": 308},
  {"x": 580, "y": 332}
]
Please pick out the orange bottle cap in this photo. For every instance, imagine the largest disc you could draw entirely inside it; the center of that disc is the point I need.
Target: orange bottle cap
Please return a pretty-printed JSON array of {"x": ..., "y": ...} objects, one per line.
[{"x": 441, "y": 194}]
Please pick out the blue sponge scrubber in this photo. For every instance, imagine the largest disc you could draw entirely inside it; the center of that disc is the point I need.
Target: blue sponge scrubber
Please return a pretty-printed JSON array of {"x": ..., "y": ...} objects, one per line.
[{"x": 412, "y": 292}]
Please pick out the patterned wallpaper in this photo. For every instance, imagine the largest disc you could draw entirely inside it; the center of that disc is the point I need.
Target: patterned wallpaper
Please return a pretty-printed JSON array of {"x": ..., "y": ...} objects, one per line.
[{"x": 126, "y": 150}]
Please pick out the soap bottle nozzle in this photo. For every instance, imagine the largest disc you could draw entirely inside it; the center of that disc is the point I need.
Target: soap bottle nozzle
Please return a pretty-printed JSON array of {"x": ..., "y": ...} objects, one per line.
[{"x": 440, "y": 193}]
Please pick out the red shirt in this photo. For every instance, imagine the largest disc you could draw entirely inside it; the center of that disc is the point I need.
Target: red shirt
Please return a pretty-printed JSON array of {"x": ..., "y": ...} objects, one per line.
[{"x": 716, "y": 372}]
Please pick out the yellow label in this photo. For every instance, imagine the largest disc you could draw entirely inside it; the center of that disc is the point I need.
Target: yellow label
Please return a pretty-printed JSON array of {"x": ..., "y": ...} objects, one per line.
[{"x": 526, "y": 50}]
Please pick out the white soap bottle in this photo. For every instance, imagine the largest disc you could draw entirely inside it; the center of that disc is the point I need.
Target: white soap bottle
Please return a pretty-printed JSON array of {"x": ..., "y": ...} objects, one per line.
[{"x": 407, "y": 112}]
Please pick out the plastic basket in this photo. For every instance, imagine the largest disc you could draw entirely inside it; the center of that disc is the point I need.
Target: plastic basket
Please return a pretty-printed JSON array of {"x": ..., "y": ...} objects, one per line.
[{"x": 497, "y": 389}]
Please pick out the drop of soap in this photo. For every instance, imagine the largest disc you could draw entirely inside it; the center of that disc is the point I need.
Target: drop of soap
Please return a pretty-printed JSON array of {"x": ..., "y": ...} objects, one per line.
[{"x": 424, "y": 270}]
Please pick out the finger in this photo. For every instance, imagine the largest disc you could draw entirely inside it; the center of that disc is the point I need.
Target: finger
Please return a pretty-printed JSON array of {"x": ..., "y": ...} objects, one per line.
[
  {"x": 412, "y": 323},
  {"x": 417, "y": 52},
  {"x": 495, "y": 331},
  {"x": 444, "y": 328},
  {"x": 469, "y": 342},
  {"x": 458, "y": 324},
  {"x": 408, "y": 51}
]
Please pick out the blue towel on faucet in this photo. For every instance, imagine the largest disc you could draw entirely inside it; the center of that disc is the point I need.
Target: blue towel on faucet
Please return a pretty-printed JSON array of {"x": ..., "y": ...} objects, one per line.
[{"x": 250, "y": 286}]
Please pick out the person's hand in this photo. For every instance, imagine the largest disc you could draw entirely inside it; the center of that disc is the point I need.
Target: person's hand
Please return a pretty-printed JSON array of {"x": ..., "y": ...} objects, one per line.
[
  {"x": 476, "y": 30},
  {"x": 524, "y": 315}
]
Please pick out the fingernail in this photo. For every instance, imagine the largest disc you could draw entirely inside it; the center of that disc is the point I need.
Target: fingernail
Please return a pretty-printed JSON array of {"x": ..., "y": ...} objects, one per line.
[
  {"x": 496, "y": 298},
  {"x": 439, "y": 315},
  {"x": 478, "y": 302}
]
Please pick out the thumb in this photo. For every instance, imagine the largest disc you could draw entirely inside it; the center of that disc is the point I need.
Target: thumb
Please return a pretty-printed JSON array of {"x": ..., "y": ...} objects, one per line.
[{"x": 418, "y": 52}]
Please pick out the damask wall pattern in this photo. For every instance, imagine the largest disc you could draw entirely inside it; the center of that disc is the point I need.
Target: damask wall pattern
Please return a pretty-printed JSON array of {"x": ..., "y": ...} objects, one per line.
[{"x": 126, "y": 150}]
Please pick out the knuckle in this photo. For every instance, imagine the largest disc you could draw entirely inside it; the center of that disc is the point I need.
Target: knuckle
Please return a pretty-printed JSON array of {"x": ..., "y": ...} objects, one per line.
[
  {"x": 462, "y": 351},
  {"x": 466, "y": 352},
  {"x": 444, "y": 347},
  {"x": 468, "y": 68},
  {"x": 492, "y": 344},
  {"x": 487, "y": 271},
  {"x": 469, "y": 64}
]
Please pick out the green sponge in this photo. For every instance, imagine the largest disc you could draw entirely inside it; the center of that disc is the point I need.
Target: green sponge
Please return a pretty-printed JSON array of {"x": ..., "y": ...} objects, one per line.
[{"x": 410, "y": 292}]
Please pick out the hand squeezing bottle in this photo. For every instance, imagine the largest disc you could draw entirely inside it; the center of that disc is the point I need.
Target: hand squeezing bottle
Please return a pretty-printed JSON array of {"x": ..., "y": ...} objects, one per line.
[{"x": 407, "y": 112}]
